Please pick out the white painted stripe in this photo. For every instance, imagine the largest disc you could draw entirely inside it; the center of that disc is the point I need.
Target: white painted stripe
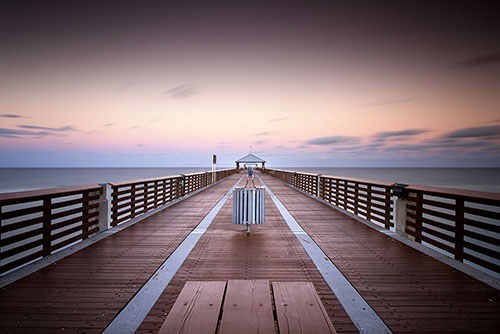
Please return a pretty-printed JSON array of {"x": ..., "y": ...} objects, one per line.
[
  {"x": 362, "y": 315},
  {"x": 132, "y": 315}
]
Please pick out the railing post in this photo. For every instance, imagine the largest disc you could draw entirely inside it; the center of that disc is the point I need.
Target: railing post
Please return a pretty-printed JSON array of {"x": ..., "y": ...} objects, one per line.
[
  {"x": 318, "y": 186},
  {"x": 47, "y": 213},
  {"x": 459, "y": 229},
  {"x": 400, "y": 208},
  {"x": 183, "y": 184},
  {"x": 132, "y": 201},
  {"x": 86, "y": 212},
  {"x": 400, "y": 216},
  {"x": 104, "y": 207}
]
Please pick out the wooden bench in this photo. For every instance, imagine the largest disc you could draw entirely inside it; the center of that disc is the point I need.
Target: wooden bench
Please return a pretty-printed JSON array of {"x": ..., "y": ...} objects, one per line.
[{"x": 246, "y": 306}]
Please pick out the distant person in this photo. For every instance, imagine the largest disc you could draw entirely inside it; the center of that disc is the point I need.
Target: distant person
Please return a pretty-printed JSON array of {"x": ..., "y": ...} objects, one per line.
[{"x": 250, "y": 177}]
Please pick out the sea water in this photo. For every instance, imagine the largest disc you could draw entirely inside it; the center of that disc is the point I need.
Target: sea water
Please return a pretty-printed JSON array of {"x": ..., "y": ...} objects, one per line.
[{"x": 21, "y": 179}]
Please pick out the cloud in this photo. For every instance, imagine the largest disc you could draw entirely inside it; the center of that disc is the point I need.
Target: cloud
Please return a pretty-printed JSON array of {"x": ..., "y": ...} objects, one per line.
[
  {"x": 141, "y": 145},
  {"x": 67, "y": 128},
  {"x": 399, "y": 134},
  {"x": 475, "y": 132},
  {"x": 14, "y": 133},
  {"x": 332, "y": 140},
  {"x": 127, "y": 85},
  {"x": 133, "y": 128},
  {"x": 479, "y": 61},
  {"x": 388, "y": 102},
  {"x": 181, "y": 92},
  {"x": 263, "y": 133},
  {"x": 11, "y": 116},
  {"x": 109, "y": 124},
  {"x": 280, "y": 119},
  {"x": 260, "y": 142}
]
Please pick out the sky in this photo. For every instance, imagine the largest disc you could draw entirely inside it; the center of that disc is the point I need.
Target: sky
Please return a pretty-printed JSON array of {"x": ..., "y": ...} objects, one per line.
[{"x": 316, "y": 83}]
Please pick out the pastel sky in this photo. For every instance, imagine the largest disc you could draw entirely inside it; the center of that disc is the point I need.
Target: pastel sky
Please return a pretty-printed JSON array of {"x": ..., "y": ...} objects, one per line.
[{"x": 169, "y": 83}]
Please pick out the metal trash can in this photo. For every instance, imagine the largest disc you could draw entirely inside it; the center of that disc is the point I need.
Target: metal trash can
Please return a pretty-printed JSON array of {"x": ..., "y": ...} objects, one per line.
[{"x": 248, "y": 206}]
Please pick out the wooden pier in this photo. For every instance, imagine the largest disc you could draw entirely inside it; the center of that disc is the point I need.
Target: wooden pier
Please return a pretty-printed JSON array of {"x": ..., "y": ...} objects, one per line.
[{"x": 410, "y": 291}]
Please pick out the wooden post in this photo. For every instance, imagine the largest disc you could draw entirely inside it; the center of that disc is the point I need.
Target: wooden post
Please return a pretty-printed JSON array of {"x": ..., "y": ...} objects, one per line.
[
  {"x": 369, "y": 202},
  {"x": 459, "y": 230},
  {"x": 356, "y": 198},
  {"x": 85, "y": 214},
  {"x": 387, "y": 209},
  {"x": 145, "y": 196},
  {"x": 418, "y": 221},
  {"x": 47, "y": 213},
  {"x": 132, "y": 201}
]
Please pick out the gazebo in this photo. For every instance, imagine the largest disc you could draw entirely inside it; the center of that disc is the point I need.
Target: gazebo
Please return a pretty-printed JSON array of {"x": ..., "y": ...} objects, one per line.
[{"x": 250, "y": 159}]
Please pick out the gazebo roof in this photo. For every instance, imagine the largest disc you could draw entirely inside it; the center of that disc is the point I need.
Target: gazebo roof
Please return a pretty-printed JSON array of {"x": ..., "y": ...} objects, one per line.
[{"x": 250, "y": 158}]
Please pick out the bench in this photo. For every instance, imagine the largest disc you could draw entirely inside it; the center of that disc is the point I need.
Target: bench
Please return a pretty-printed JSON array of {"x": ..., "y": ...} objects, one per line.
[{"x": 246, "y": 306}]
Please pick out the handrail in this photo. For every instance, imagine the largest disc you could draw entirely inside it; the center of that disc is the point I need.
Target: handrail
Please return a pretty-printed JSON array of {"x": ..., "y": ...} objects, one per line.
[
  {"x": 368, "y": 199},
  {"x": 130, "y": 182},
  {"x": 36, "y": 223},
  {"x": 133, "y": 198},
  {"x": 24, "y": 196},
  {"x": 463, "y": 224},
  {"x": 458, "y": 193}
]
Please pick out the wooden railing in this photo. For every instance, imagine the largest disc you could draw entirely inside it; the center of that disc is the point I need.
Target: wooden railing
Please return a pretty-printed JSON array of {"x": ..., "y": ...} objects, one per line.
[
  {"x": 460, "y": 223},
  {"x": 36, "y": 223},
  {"x": 466, "y": 224},
  {"x": 370, "y": 200},
  {"x": 367, "y": 199},
  {"x": 303, "y": 181},
  {"x": 133, "y": 198}
]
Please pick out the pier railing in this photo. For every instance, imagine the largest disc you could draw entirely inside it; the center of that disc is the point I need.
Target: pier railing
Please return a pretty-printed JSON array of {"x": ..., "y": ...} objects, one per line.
[
  {"x": 465, "y": 224},
  {"x": 370, "y": 200},
  {"x": 34, "y": 224},
  {"x": 462, "y": 224},
  {"x": 133, "y": 198},
  {"x": 37, "y": 223}
]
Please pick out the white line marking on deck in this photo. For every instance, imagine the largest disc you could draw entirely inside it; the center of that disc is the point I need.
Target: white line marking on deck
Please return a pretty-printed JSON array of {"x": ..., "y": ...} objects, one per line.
[
  {"x": 362, "y": 315},
  {"x": 133, "y": 314}
]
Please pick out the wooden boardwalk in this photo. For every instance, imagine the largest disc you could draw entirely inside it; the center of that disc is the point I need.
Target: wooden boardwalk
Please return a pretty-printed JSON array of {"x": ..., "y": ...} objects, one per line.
[{"x": 410, "y": 291}]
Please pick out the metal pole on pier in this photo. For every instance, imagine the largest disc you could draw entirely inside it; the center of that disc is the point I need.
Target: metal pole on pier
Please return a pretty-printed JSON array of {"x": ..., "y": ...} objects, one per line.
[{"x": 214, "y": 162}]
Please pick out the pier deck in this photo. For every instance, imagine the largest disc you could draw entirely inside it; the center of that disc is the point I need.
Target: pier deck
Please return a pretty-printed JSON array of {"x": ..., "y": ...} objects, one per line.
[{"x": 410, "y": 291}]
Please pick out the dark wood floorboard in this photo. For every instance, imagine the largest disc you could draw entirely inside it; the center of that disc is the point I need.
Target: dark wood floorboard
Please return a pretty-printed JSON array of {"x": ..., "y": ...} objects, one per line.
[{"x": 225, "y": 252}]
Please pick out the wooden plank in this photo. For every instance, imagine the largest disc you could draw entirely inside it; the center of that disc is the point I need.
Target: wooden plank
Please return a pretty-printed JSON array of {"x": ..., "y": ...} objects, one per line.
[
  {"x": 197, "y": 308},
  {"x": 299, "y": 309},
  {"x": 34, "y": 195},
  {"x": 247, "y": 308}
]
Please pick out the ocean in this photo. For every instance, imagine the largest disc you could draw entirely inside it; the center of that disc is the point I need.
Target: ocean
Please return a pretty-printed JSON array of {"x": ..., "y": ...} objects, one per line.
[{"x": 21, "y": 179}]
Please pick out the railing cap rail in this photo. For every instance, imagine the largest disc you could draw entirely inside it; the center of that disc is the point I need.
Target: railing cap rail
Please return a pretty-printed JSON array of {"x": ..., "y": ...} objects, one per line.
[
  {"x": 33, "y": 195},
  {"x": 452, "y": 192},
  {"x": 370, "y": 182},
  {"x": 132, "y": 182},
  {"x": 191, "y": 174},
  {"x": 311, "y": 174}
]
